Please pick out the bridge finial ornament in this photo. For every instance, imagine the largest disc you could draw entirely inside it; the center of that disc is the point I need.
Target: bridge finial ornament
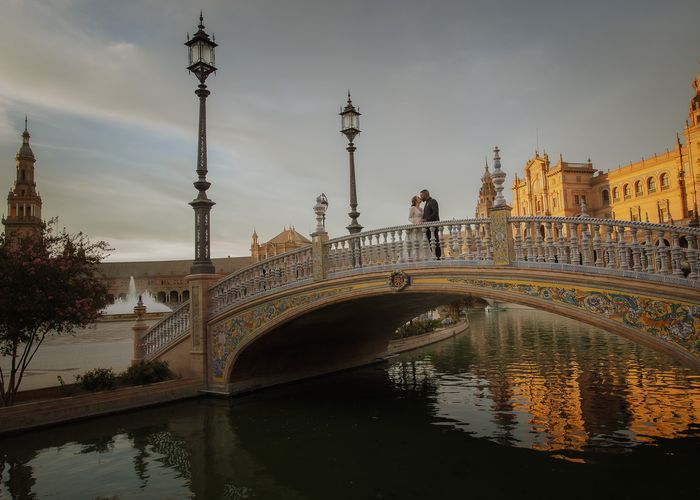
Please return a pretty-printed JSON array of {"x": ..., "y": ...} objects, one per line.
[
  {"x": 320, "y": 210},
  {"x": 499, "y": 177}
]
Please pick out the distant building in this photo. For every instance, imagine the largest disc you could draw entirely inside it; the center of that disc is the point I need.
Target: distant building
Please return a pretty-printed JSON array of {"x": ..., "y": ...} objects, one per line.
[
  {"x": 661, "y": 189},
  {"x": 23, "y": 201},
  {"x": 165, "y": 279},
  {"x": 487, "y": 193},
  {"x": 288, "y": 239}
]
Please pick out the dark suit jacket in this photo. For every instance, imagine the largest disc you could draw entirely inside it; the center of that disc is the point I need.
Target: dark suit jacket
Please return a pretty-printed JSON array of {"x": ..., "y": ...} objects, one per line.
[{"x": 431, "y": 211}]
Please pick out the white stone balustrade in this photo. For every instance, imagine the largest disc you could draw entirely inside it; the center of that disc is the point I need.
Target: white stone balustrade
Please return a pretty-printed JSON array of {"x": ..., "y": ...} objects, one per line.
[
  {"x": 467, "y": 240},
  {"x": 654, "y": 249},
  {"x": 167, "y": 331},
  {"x": 287, "y": 269}
]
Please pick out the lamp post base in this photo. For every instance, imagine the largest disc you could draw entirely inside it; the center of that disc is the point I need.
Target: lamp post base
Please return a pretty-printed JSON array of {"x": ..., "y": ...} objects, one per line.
[
  {"x": 204, "y": 267},
  {"x": 354, "y": 226}
]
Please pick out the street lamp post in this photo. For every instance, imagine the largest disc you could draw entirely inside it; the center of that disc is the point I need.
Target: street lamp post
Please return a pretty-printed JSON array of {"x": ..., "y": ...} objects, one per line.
[
  {"x": 350, "y": 126},
  {"x": 201, "y": 59}
]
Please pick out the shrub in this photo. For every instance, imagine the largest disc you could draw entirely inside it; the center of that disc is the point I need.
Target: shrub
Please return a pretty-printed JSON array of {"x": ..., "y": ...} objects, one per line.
[
  {"x": 146, "y": 372},
  {"x": 98, "y": 379},
  {"x": 416, "y": 327}
]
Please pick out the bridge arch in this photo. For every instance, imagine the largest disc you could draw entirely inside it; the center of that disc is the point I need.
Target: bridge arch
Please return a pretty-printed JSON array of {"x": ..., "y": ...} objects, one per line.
[{"x": 311, "y": 331}]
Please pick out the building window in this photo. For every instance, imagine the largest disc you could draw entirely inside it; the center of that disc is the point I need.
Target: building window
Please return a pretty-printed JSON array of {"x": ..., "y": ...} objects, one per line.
[
  {"x": 638, "y": 188},
  {"x": 576, "y": 200},
  {"x": 616, "y": 194},
  {"x": 606, "y": 197},
  {"x": 651, "y": 185},
  {"x": 664, "y": 182},
  {"x": 554, "y": 201},
  {"x": 663, "y": 214},
  {"x": 626, "y": 191}
]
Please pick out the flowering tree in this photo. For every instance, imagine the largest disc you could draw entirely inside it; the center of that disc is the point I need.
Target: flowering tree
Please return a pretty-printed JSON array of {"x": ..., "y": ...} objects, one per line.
[{"x": 48, "y": 285}]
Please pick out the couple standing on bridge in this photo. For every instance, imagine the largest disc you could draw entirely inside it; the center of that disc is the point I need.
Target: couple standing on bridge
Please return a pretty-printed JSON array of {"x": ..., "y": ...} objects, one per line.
[{"x": 429, "y": 213}]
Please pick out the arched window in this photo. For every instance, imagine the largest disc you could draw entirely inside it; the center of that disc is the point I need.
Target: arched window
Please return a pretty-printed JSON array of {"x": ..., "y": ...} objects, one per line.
[
  {"x": 606, "y": 197},
  {"x": 664, "y": 182},
  {"x": 638, "y": 188},
  {"x": 651, "y": 185},
  {"x": 616, "y": 194},
  {"x": 626, "y": 191}
]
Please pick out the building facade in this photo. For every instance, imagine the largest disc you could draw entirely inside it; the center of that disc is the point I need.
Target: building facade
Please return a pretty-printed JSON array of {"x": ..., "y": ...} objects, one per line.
[
  {"x": 164, "y": 279},
  {"x": 23, "y": 201},
  {"x": 659, "y": 189},
  {"x": 288, "y": 239}
]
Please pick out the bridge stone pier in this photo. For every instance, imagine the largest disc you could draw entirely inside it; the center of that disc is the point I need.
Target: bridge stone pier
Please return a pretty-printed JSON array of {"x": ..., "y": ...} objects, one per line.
[{"x": 334, "y": 304}]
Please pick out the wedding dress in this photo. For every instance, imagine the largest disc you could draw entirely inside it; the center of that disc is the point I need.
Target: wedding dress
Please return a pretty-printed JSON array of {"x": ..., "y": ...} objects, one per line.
[{"x": 415, "y": 216}]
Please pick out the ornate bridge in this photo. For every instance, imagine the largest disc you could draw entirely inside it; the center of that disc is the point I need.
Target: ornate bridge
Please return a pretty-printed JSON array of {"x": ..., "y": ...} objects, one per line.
[{"x": 334, "y": 304}]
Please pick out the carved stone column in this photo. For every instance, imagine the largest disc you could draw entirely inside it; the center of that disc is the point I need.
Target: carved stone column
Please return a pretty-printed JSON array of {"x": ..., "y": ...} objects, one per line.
[
  {"x": 501, "y": 236},
  {"x": 199, "y": 314},
  {"x": 319, "y": 250}
]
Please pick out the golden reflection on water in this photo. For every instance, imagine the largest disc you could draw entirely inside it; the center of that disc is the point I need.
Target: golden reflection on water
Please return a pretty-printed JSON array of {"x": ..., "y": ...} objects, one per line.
[{"x": 550, "y": 383}]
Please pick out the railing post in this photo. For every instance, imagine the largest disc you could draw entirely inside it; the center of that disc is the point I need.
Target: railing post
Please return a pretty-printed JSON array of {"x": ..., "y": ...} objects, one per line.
[
  {"x": 319, "y": 255},
  {"x": 199, "y": 314},
  {"x": 501, "y": 236},
  {"x": 140, "y": 328}
]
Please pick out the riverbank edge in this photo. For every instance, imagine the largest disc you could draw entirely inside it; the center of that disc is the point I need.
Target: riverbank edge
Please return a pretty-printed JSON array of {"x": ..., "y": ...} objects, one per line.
[
  {"x": 418, "y": 341},
  {"x": 31, "y": 415},
  {"x": 48, "y": 412}
]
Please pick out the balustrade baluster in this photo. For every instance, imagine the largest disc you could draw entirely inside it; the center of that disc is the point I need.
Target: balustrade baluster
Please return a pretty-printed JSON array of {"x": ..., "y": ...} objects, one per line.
[
  {"x": 598, "y": 254},
  {"x": 636, "y": 250},
  {"x": 528, "y": 242},
  {"x": 562, "y": 254},
  {"x": 586, "y": 249},
  {"x": 541, "y": 251},
  {"x": 549, "y": 243},
  {"x": 662, "y": 253},
  {"x": 609, "y": 247},
  {"x": 394, "y": 254},
  {"x": 488, "y": 243},
  {"x": 622, "y": 256},
  {"x": 476, "y": 228},
  {"x": 692, "y": 256},
  {"x": 517, "y": 241},
  {"x": 468, "y": 241},
  {"x": 454, "y": 241},
  {"x": 676, "y": 254},
  {"x": 649, "y": 252}
]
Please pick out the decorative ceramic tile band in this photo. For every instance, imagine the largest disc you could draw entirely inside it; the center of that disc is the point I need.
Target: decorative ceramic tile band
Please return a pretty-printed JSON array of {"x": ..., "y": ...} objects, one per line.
[
  {"x": 676, "y": 321},
  {"x": 226, "y": 335}
]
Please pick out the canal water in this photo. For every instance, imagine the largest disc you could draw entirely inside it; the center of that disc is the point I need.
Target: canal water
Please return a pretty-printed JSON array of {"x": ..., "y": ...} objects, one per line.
[{"x": 525, "y": 405}]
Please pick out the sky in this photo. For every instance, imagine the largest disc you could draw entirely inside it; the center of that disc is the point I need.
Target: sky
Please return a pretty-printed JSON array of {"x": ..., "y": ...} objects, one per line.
[{"x": 113, "y": 115}]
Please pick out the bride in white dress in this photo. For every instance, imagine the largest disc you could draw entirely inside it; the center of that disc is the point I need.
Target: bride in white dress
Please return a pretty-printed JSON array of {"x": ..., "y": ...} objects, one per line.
[
  {"x": 415, "y": 216},
  {"x": 415, "y": 213}
]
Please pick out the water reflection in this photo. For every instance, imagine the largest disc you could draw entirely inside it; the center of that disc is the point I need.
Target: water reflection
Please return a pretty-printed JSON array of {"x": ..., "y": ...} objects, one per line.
[
  {"x": 488, "y": 413},
  {"x": 539, "y": 381}
]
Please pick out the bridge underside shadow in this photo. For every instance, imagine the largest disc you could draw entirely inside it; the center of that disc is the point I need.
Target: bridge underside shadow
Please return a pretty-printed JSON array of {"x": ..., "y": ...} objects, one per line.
[{"x": 336, "y": 337}]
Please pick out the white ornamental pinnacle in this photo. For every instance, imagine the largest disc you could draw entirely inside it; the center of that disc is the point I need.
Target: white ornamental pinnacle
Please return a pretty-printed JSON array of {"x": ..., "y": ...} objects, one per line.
[
  {"x": 320, "y": 210},
  {"x": 584, "y": 208},
  {"x": 499, "y": 177}
]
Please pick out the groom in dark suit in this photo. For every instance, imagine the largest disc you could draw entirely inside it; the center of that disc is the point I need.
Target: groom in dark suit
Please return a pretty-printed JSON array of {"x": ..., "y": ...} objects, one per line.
[{"x": 431, "y": 213}]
